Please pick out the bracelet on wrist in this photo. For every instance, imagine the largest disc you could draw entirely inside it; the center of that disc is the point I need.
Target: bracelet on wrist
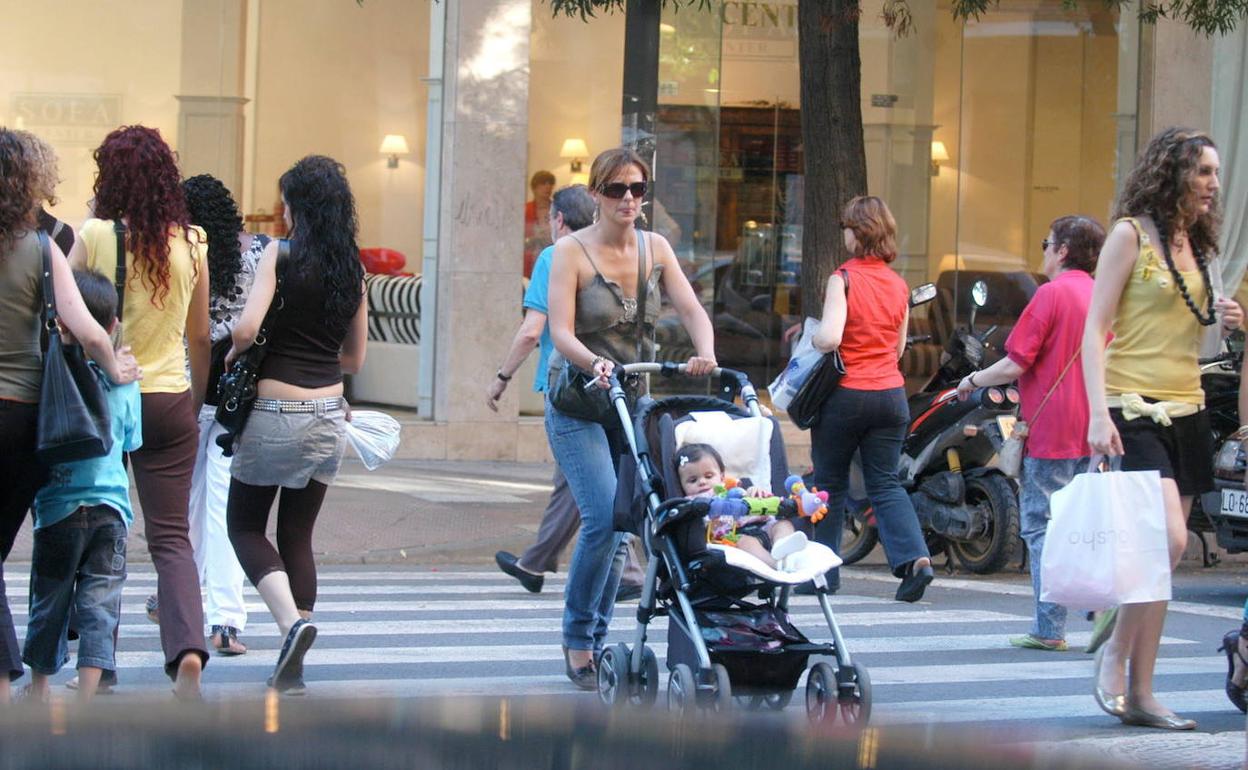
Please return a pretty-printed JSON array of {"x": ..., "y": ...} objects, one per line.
[
  {"x": 971, "y": 379},
  {"x": 593, "y": 364},
  {"x": 503, "y": 377}
]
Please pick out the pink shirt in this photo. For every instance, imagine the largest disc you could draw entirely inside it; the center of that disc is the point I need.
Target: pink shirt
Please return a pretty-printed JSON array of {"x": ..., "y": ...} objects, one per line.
[{"x": 1047, "y": 335}]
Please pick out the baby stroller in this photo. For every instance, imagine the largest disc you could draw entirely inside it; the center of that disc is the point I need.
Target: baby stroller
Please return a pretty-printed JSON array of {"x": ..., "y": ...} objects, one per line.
[{"x": 730, "y": 636}]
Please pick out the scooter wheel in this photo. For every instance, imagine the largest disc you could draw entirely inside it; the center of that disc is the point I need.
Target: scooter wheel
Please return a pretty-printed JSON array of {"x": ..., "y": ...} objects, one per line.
[{"x": 992, "y": 550}]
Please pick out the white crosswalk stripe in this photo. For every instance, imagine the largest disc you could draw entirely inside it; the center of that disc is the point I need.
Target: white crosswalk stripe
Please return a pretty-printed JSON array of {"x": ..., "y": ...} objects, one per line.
[{"x": 408, "y": 632}]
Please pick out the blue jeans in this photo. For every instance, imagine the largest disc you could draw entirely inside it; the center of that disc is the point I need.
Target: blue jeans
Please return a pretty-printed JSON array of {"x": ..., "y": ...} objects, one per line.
[
  {"x": 1041, "y": 478},
  {"x": 587, "y": 454},
  {"x": 873, "y": 423},
  {"x": 78, "y": 563}
]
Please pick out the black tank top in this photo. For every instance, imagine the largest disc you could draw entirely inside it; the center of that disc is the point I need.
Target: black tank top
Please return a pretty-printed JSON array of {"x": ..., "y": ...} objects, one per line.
[{"x": 305, "y": 345}]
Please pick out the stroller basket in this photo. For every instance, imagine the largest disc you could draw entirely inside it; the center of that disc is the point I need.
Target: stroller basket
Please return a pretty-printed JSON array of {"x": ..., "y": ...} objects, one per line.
[{"x": 761, "y": 649}]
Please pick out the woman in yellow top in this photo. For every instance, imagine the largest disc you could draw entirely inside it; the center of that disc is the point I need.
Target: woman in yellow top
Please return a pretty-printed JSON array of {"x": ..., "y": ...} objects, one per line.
[
  {"x": 1154, "y": 292},
  {"x": 166, "y": 300}
]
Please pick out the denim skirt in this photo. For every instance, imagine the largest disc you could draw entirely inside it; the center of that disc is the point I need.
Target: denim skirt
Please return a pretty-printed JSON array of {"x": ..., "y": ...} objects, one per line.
[{"x": 291, "y": 448}]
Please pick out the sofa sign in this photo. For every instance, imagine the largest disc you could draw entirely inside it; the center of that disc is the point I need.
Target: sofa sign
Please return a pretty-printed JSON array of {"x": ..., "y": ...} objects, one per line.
[{"x": 68, "y": 118}]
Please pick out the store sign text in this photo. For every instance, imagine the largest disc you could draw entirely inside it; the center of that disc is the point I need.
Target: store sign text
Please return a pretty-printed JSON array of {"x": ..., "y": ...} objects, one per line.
[
  {"x": 737, "y": 13},
  {"x": 68, "y": 118}
]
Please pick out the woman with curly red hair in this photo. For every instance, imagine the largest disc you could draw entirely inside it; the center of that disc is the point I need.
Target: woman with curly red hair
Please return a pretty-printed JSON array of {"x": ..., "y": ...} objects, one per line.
[{"x": 165, "y": 299}]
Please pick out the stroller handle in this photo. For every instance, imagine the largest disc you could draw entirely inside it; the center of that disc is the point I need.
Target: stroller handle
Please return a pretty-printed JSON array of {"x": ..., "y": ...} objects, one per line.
[
  {"x": 671, "y": 369},
  {"x": 749, "y": 396}
]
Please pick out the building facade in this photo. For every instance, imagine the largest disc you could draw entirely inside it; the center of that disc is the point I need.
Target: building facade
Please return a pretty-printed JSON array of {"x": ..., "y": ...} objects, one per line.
[{"x": 978, "y": 134}]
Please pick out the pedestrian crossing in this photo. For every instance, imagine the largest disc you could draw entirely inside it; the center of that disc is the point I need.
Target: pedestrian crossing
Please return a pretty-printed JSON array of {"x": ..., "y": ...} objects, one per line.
[{"x": 405, "y": 632}]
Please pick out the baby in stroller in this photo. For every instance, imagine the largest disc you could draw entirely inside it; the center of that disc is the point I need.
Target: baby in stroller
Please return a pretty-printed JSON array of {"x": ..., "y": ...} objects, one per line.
[{"x": 769, "y": 537}]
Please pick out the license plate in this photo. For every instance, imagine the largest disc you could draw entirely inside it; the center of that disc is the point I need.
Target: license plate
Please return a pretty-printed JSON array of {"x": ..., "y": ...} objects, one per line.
[
  {"x": 1235, "y": 503},
  {"x": 1006, "y": 423}
]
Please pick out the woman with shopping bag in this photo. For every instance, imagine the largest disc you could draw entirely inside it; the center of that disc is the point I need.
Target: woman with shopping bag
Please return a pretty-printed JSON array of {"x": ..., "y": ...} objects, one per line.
[
  {"x": 1042, "y": 353},
  {"x": 1154, "y": 290}
]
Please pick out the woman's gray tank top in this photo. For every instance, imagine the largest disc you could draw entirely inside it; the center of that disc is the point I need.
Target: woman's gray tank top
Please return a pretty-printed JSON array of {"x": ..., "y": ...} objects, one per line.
[{"x": 606, "y": 320}]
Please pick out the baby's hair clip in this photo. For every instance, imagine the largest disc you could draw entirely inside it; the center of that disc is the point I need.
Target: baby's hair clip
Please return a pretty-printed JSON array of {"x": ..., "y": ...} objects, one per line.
[{"x": 684, "y": 460}]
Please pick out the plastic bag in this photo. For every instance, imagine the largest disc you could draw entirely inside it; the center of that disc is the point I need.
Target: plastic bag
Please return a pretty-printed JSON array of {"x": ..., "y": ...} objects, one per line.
[
  {"x": 1106, "y": 542},
  {"x": 374, "y": 436},
  {"x": 801, "y": 364}
]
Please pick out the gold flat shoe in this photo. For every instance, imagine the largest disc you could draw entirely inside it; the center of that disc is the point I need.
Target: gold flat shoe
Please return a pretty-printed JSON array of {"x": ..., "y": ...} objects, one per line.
[
  {"x": 1142, "y": 718},
  {"x": 1114, "y": 705}
]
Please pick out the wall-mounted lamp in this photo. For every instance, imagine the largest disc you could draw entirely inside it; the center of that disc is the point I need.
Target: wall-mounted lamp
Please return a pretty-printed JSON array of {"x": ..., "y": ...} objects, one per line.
[
  {"x": 939, "y": 155},
  {"x": 574, "y": 150},
  {"x": 394, "y": 145}
]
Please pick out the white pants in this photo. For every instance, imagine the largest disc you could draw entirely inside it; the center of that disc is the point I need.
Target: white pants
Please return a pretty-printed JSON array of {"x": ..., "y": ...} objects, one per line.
[{"x": 220, "y": 574}]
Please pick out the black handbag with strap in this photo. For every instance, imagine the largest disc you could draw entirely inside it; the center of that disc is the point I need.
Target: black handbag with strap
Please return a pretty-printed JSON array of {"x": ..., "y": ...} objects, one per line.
[
  {"x": 807, "y": 404},
  {"x": 574, "y": 393},
  {"x": 74, "y": 422},
  {"x": 236, "y": 389}
]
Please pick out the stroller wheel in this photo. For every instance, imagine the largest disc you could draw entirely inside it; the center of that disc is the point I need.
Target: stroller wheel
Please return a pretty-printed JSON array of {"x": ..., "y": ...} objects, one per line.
[
  {"x": 854, "y": 697},
  {"x": 613, "y": 676},
  {"x": 647, "y": 689},
  {"x": 821, "y": 700},
  {"x": 723, "y": 689},
  {"x": 682, "y": 690},
  {"x": 778, "y": 701}
]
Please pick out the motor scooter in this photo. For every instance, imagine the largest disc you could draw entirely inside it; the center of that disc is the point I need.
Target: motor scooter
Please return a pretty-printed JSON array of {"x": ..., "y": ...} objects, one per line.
[
  {"x": 965, "y": 504},
  {"x": 1224, "y": 511}
]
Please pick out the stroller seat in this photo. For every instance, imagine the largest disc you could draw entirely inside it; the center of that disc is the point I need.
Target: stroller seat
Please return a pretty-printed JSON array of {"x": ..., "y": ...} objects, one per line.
[{"x": 814, "y": 559}]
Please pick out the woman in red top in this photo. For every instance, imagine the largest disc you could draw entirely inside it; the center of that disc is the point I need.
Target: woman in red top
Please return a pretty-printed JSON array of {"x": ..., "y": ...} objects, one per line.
[{"x": 865, "y": 312}]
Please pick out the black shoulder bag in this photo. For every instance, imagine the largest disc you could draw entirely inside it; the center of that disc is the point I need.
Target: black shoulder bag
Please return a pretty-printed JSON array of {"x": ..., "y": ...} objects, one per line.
[
  {"x": 73, "y": 423},
  {"x": 574, "y": 394},
  {"x": 807, "y": 405},
  {"x": 236, "y": 390}
]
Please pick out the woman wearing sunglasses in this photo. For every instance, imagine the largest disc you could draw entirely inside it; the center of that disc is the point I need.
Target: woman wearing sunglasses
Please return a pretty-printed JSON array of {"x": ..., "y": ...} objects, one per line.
[{"x": 594, "y": 324}]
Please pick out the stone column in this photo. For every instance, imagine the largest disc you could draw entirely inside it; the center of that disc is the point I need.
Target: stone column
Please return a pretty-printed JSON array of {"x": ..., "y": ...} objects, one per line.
[
  {"x": 1176, "y": 78},
  {"x": 478, "y": 279},
  {"x": 210, "y": 107}
]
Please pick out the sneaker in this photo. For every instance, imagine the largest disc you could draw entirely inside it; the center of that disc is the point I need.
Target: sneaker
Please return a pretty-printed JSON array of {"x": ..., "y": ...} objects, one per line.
[
  {"x": 295, "y": 689},
  {"x": 289, "y": 669},
  {"x": 1102, "y": 629},
  {"x": 1030, "y": 642}
]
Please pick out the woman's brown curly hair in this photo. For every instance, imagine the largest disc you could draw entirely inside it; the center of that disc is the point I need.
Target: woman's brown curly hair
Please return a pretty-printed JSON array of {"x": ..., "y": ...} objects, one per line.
[
  {"x": 43, "y": 157},
  {"x": 1160, "y": 186},
  {"x": 18, "y": 189}
]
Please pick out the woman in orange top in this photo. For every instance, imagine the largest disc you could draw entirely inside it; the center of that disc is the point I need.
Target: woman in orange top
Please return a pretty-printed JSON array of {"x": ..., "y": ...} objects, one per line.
[
  {"x": 866, "y": 309},
  {"x": 166, "y": 300}
]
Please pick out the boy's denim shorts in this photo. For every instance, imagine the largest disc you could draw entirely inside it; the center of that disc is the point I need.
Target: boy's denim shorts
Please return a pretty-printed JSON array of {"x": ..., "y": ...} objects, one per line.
[{"x": 78, "y": 566}]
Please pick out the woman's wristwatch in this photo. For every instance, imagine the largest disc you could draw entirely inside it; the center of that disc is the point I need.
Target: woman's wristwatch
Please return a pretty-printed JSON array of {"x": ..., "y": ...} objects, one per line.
[{"x": 503, "y": 377}]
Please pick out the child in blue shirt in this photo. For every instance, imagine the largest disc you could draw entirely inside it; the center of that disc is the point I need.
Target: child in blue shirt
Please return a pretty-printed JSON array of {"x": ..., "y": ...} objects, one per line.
[{"x": 82, "y": 517}]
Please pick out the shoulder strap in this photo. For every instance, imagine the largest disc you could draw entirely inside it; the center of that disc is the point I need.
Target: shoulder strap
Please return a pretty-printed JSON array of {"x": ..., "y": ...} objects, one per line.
[
  {"x": 49, "y": 294},
  {"x": 582, "y": 245},
  {"x": 643, "y": 289},
  {"x": 1056, "y": 382},
  {"x": 119, "y": 274},
  {"x": 275, "y": 305},
  {"x": 1139, "y": 230}
]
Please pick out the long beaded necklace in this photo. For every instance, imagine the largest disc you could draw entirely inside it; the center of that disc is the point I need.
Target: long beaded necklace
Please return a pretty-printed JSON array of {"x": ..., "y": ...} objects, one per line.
[{"x": 1204, "y": 320}]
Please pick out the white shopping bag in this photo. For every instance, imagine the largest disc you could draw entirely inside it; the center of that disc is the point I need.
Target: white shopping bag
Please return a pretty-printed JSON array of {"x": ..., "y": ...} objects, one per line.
[
  {"x": 800, "y": 365},
  {"x": 1106, "y": 542},
  {"x": 374, "y": 436}
]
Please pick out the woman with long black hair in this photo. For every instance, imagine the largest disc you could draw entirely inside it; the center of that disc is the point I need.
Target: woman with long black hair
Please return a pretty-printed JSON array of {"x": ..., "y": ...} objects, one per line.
[
  {"x": 294, "y": 440},
  {"x": 232, "y": 258}
]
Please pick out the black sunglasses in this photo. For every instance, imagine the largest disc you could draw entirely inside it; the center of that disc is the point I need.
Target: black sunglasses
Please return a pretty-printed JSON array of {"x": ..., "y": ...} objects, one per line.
[
  {"x": 1046, "y": 243},
  {"x": 616, "y": 190}
]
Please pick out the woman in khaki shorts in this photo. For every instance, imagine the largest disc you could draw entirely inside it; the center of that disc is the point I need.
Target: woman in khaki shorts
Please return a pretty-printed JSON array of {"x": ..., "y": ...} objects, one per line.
[{"x": 294, "y": 440}]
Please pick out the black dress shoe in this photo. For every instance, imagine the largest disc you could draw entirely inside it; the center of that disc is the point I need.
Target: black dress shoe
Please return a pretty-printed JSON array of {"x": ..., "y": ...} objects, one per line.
[
  {"x": 508, "y": 563},
  {"x": 1230, "y": 645},
  {"x": 914, "y": 583},
  {"x": 585, "y": 677},
  {"x": 627, "y": 593}
]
